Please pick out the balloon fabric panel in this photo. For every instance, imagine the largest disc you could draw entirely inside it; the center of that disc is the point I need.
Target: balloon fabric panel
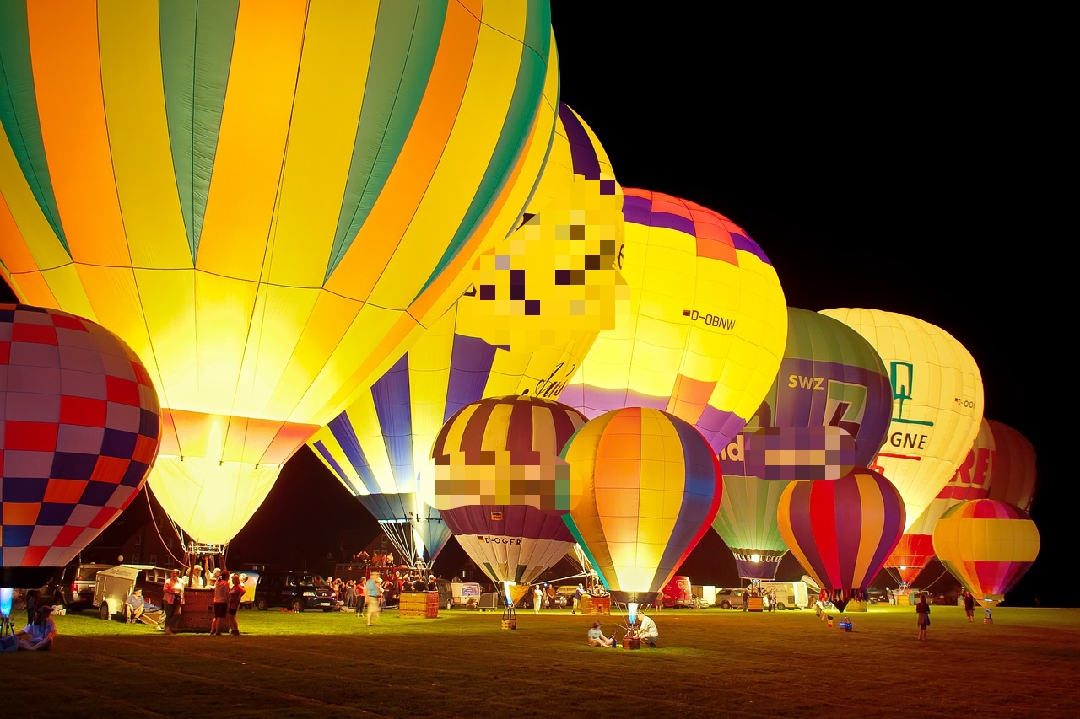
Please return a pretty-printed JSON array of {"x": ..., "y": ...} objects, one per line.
[
  {"x": 1013, "y": 479},
  {"x": 150, "y": 187},
  {"x": 938, "y": 401},
  {"x": 81, "y": 426}
]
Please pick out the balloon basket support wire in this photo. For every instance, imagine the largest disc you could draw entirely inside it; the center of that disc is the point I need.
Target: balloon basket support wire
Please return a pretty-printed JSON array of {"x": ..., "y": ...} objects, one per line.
[{"x": 509, "y": 617}]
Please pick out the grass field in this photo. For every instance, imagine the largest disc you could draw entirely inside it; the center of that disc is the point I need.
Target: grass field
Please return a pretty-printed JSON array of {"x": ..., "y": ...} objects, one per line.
[{"x": 710, "y": 663}]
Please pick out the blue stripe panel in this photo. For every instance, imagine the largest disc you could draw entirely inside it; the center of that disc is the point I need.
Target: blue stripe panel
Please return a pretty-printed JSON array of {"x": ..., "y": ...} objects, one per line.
[
  {"x": 394, "y": 410},
  {"x": 337, "y": 469},
  {"x": 470, "y": 367},
  {"x": 699, "y": 488},
  {"x": 342, "y": 429}
]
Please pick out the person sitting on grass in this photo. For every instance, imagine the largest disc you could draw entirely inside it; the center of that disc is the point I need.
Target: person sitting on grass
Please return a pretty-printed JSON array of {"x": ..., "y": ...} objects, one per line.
[
  {"x": 646, "y": 630},
  {"x": 596, "y": 638},
  {"x": 134, "y": 606},
  {"x": 38, "y": 635}
]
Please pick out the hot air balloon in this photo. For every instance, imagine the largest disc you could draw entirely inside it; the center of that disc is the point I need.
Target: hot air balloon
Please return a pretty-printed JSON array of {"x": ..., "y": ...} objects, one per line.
[
  {"x": 1013, "y": 477},
  {"x": 971, "y": 481},
  {"x": 842, "y": 531},
  {"x": 987, "y": 546},
  {"x": 651, "y": 486},
  {"x": 554, "y": 279},
  {"x": 81, "y": 423},
  {"x": 379, "y": 445},
  {"x": 706, "y": 325},
  {"x": 830, "y": 377},
  {"x": 937, "y": 402},
  {"x": 265, "y": 201},
  {"x": 497, "y": 476}
]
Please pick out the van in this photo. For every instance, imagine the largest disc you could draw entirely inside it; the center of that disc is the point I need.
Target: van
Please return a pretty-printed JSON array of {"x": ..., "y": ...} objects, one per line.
[
  {"x": 789, "y": 595},
  {"x": 678, "y": 593}
]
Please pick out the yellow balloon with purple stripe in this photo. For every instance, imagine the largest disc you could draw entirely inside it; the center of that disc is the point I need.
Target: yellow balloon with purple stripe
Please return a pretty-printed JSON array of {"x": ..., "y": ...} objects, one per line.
[
  {"x": 265, "y": 200},
  {"x": 650, "y": 489}
]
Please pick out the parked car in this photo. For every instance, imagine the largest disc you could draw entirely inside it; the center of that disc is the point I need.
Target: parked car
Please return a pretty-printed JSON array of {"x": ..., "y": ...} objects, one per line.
[
  {"x": 296, "y": 590},
  {"x": 730, "y": 598},
  {"x": 74, "y": 587}
]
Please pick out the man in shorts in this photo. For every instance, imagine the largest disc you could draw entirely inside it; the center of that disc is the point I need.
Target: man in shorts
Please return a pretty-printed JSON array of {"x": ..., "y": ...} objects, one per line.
[{"x": 221, "y": 605}]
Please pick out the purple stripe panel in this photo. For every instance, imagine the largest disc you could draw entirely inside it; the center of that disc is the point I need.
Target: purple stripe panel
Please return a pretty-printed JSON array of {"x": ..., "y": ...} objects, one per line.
[
  {"x": 744, "y": 243},
  {"x": 756, "y": 570},
  {"x": 393, "y": 407},
  {"x": 638, "y": 210},
  {"x": 517, "y": 521},
  {"x": 848, "y": 513},
  {"x": 700, "y": 488},
  {"x": 720, "y": 428},
  {"x": 594, "y": 401},
  {"x": 470, "y": 366},
  {"x": 892, "y": 526},
  {"x": 802, "y": 528},
  {"x": 582, "y": 153}
]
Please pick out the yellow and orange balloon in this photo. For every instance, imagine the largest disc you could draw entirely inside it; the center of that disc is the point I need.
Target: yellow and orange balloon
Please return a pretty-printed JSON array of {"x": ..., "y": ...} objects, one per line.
[
  {"x": 265, "y": 204},
  {"x": 650, "y": 489}
]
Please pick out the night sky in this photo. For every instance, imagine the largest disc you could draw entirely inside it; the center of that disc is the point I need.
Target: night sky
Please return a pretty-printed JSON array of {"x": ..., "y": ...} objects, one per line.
[{"x": 898, "y": 163}]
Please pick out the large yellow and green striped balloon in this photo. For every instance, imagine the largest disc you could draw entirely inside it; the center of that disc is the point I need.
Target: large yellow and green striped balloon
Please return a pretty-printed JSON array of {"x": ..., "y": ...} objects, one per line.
[{"x": 263, "y": 198}]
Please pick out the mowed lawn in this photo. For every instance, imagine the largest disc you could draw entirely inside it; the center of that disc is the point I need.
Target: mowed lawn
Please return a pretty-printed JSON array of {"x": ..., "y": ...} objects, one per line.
[{"x": 711, "y": 663}]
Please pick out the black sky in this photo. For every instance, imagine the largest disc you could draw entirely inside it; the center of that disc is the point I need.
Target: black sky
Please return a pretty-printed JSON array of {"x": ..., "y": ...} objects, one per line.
[{"x": 912, "y": 164}]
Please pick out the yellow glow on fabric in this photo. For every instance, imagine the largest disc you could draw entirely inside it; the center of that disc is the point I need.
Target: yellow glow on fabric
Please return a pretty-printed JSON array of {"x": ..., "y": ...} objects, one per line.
[
  {"x": 540, "y": 372},
  {"x": 634, "y": 494},
  {"x": 555, "y": 278},
  {"x": 937, "y": 405},
  {"x": 707, "y": 320},
  {"x": 267, "y": 307}
]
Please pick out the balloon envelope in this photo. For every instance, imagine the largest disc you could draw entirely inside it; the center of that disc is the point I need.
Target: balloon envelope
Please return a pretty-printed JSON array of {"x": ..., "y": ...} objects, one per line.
[
  {"x": 651, "y": 486},
  {"x": 987, "y": 546},
  {"x": 706, "y": 324},
  {"x": 262, "y": 200},
  {"x": 829, "y": 377},
  {"x": 1013, "y": 479},
  {"x": 971, "y": 481},
  {"x": 842, "y": 531},
  {"x": 382, "y": 441},
  {"x": 508, "y": 489},
  {"x": 80, "y": 425},
  {"x": 937, "y": 402}
]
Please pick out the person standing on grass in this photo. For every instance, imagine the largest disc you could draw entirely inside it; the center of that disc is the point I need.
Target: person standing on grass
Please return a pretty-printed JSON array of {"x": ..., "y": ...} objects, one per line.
[
  {"x": 969, "y": 606},
  {"x": 173, "y": 598},
  {"x": 922, "y": 611},
  {"x": 236, "y": 593},
  {"x": 538, "y": 598},
  {"x": 373, "y": 596},
  {"x": 221, "y": 605}
]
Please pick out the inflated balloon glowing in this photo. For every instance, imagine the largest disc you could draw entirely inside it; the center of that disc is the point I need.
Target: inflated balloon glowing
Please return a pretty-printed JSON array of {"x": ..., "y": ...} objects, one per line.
[
  {"x": 971, "y": 481},
  {"x": 265, "y": 203},
  {"x": 842, "y": 531},
  {"x": 651, "y": 488},
  {"x": 555, "y": 278},
  {"x": 1013, "y": 478},
  {"x": 501, "y": 485},
  {"x": 987, "y": 546},
  {"x": 706, "y": 326},
  {"x": 80, "y": 425},
  {"x": 380, "y": 444},
  {"x": 937, "y": 402},
  {"x": 829, "y": 378}
]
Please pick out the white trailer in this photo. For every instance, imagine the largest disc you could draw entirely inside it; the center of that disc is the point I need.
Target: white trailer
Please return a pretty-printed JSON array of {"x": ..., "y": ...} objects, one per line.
[{"x": 789, "y": 595}]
